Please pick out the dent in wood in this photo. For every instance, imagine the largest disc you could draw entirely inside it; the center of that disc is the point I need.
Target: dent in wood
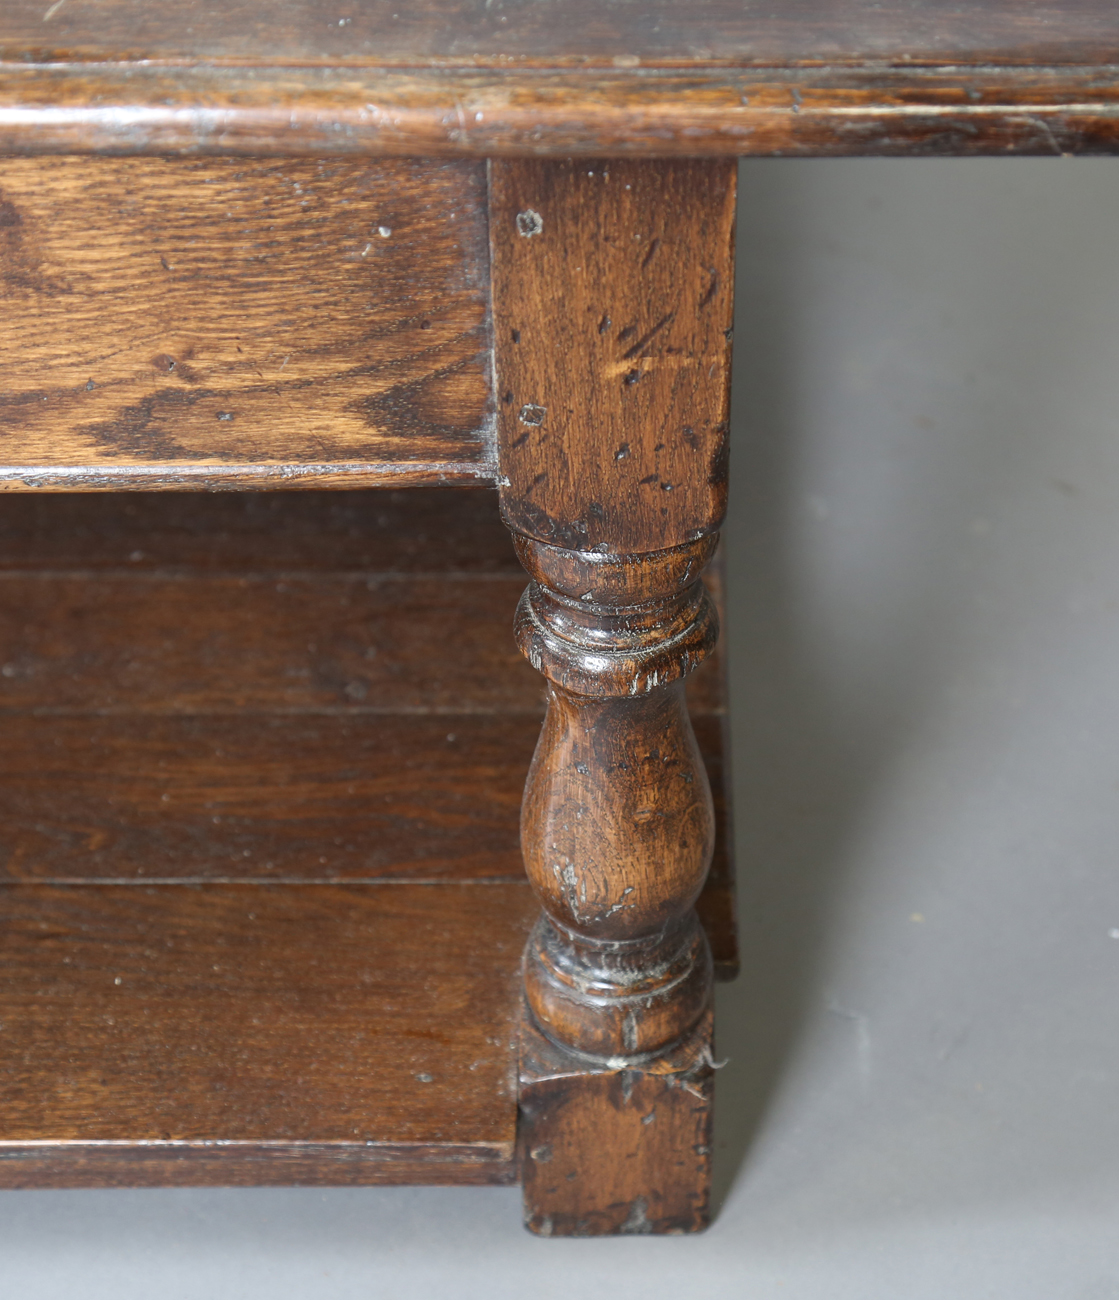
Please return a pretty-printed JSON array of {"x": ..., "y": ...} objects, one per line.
[
  {"x": 612, "y": 314},
  {"x": 614, "y": 1148}
]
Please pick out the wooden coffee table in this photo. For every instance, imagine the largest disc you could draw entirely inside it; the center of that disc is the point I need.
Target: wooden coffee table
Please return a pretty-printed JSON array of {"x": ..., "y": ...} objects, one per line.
[{"x": 267, "y": 914}]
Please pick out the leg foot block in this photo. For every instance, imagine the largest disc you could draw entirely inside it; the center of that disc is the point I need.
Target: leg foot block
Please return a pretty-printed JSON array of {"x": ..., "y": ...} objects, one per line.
[{"x": 609, "y": 1148}]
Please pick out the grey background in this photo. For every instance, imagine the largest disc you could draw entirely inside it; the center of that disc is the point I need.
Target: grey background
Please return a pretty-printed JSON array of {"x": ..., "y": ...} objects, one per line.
[{"x": 921, "y": 1097}]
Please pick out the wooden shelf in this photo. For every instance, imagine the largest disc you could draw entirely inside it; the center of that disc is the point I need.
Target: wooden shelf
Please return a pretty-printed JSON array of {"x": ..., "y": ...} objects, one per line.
[
  {"x": 259, "y": 791},
  {"x": 242, "y": 1033}
]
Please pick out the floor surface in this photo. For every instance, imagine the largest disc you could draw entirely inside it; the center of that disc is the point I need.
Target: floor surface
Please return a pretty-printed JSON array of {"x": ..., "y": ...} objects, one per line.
[{"x": 922, "y": 1093}]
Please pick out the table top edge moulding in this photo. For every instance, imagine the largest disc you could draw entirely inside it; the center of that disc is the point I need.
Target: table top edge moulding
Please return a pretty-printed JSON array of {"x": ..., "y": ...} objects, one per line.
[{"x": 564, "y": 77}]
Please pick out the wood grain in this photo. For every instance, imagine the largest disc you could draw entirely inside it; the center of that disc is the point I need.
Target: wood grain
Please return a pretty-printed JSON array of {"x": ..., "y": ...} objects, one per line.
[
  {"x": 291, "y": 1022},
  {"x": 559, "y": 32},
  {"x": 159, "y": 643},
  {"x": 846, "y": 106},
  {"x": 215, "y": 322},
  {"x": 618, "y": 826},
  {"x": 252, "y": 1164},
  {"x": 613, "y": 288},
  {"x": 612, "y": 301},
  {"x": 420, "y": 530},
  {"x": 344, "y": 790},
  {"x": 611, "y": 1151},
  {"x": 351, "y": 868},
  {"x": 279, "y": 799},
  {"x": 350, "y": 643},
  {"x": 288, "y": 798},
  {"x": 303, "y": 799}
]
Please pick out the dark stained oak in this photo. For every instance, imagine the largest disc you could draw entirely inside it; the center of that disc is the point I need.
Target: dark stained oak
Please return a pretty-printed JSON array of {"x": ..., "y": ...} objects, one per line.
[
  {"x": 612, "y": 299},
  {"x": 716, "y": 905},
  {"x": 333, "y": 745},
  {"x": 617, "y": 827},
  {"x": 613, "y": 304},
  {"x": 618, "y": 834},
  {"x": 616, "y": 1148},
  {"x": 208, "y": 322},
  {"x": 839, "y": 109},
  {"x": 278, "y": 798},
  {"x": 329, "y": 1033},
  {"x": 329, "y": 792},
  {"x": 351, "y": 870},
  {"x": 564, "y": 77},
  {"x": 287, "y": 799},
  {"x": 548, "y": 32},
  {"x": 293, "y": 770},
  {"x": 336, "y": 788},
  {"x": 418, "y": 530},
  {"x": 352, "y": 642},
  {"x": 210, "y": 1163},
  {"x": 193, "y": 549}
]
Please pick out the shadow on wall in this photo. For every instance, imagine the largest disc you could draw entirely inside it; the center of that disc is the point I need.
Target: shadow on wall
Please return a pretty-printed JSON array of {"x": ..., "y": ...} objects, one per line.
[{"x": 904, "y": 332}]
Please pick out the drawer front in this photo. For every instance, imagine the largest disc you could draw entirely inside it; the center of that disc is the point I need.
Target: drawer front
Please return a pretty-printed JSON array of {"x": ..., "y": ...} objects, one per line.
[{"x": 223, "y": 322}]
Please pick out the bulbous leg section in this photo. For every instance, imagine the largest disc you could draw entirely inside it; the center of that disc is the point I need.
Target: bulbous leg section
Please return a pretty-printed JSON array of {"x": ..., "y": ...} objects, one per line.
[{"x": 617, "y": 826}]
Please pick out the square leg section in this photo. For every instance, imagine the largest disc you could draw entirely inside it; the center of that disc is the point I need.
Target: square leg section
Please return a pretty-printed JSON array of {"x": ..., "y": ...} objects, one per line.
[{"x": 615, "y": 1149}]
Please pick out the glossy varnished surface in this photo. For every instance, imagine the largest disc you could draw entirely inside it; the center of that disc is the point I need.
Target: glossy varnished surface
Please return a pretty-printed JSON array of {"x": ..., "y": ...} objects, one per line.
[
  {"x": 578, "y": 32},
  {"x": 313, "y": 898},
  {"x": 590, "y": 77},
  {"x": 220, "y": 322},
  {"x": 196, "y": 673},
  {"x": 260, "y": 1018},
  {"x": 613, "y": 299}
]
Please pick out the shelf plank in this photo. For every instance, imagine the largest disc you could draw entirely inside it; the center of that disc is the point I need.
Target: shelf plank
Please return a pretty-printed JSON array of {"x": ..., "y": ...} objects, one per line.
[
  {"x": 161, "y": 642},
  {"x": 253, "y": 1033},
  {"x": 167, "y": 642},
  {"x": 301, "y": 798},
  {"x": 418, "y": 530},
  {"x": 189, "y": 718},
  {"x": 289, "y": 799}
]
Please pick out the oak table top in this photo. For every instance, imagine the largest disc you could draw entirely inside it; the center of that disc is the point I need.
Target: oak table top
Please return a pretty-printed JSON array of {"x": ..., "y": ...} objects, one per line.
[{"x": 487, "y": 77}]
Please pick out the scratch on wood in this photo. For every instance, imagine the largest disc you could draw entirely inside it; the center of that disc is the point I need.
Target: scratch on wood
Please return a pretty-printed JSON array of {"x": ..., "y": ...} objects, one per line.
[
  {"x": 664, "y": 321},
  {"x": 711, "y": 288}
]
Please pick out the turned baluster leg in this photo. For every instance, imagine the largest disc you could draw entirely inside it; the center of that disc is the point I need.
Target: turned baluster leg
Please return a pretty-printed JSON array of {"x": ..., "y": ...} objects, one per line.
[
  {"x": 612, "y": 295},
  {"x": 617, "y": 824},
  {"x": 617, "y": 831}
]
